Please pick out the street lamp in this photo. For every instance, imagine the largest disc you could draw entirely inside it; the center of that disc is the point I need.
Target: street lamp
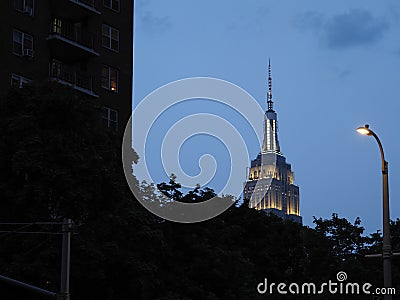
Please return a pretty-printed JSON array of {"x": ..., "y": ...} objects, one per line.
[{"x": 387, "y": 248}]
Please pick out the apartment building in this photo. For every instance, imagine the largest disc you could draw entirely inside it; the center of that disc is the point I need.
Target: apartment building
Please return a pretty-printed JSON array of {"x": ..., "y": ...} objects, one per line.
[{"x": 86, "y": 44}]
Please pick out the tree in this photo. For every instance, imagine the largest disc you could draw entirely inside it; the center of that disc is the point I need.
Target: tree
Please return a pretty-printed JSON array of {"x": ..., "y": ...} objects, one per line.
[
  {"x": 346, "y": 238},
  {"x": 56, "y": 161},
  {"x": 172, "y": 191}
]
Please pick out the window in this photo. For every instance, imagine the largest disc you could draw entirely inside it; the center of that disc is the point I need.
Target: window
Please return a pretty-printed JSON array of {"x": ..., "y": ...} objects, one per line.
[
  {"x": 110, "y": 37},
  {"x": 55, "y": 68},
  {"x": 57, "y": 25},
  {"x": 25, "y": 6},
  {"x": 110, "y": 117},
  {"x": 22, "y": 43},
  {"x": 111, "y": 4},
  {"x": 19, "y": 81},
  {"x": 109, "y": 78}
]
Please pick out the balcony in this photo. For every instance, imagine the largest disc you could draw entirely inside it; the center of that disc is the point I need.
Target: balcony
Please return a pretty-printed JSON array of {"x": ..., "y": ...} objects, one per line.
[
  {"x": 75, "y": 9},
  {"x": 69, "y": 41},
  {"x": 69, "y": 75},
  {"x": 87, "y": 5}
]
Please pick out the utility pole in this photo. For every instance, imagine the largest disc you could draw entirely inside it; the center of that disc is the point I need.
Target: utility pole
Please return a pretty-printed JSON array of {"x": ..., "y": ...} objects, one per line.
[{"x": 65, "y": 259}]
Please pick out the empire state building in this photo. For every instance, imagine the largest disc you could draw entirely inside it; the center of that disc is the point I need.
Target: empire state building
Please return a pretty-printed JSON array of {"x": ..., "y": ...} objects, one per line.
[{"x": 270, "y": 180}]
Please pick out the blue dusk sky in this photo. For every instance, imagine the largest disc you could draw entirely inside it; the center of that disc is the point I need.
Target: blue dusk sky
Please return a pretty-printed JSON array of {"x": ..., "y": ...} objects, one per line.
[{"x": 335, "y": 66}]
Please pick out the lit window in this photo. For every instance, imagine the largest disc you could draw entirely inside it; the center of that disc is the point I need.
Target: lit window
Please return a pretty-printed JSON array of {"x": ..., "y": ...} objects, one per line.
[
  {"x": 110, "y": 117},
  {"x": 25, "y": 6},
  {"x": 109, "y": 78},
  {"x": 22, "y": 43},
  {"x": 19, "y": 81},
  {"x": 111, "y": 4},
  {"x": 57, "y": 25},
  {"x": 110, "y": 37}
]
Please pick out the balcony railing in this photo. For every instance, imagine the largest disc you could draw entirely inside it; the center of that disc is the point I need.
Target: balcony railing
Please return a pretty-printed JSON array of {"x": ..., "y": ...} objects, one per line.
[
  {"x": 71, "y": 76},
  {"x": 88, "y": 6},
  {"x": 72, "y": 32},
  {"x": 85, "y": 2}
]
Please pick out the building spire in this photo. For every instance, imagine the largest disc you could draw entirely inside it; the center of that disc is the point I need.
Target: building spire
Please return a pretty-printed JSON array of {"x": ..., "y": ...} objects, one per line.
[
  {"x": 270, "y": 103},
  {"x": 271, "y": 143}
]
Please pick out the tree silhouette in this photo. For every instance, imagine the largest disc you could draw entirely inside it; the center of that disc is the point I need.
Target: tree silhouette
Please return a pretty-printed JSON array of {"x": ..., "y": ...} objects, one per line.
[{"x": 57, "y": 161}]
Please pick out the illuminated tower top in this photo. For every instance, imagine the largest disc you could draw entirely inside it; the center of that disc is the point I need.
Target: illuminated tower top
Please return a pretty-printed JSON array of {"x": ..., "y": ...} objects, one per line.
[
  {"x": 271, "y": 143},
  {"x": 269, "y": 185},
  {"x": 270, "y": 103}
]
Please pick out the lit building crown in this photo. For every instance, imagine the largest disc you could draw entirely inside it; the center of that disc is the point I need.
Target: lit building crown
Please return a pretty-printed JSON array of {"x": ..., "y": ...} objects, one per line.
[{"x": 270, "y": 183}]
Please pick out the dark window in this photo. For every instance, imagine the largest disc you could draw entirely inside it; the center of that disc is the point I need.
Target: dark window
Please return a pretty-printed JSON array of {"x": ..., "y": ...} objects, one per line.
[
  {"x": 110, "y": 37},
  {"x": 19, "y": 81},
  {"x": 25, "y": 6},
  {"x": 22, "y": 43},
  {"x": 110, "y": 118},
  {"x": 111, "y": 4}
]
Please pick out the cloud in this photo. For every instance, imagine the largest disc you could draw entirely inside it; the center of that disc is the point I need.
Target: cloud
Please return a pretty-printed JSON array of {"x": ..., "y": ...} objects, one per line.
[
  {"x": 154, "y": 24},
  {"x": 355, "y": 28},
  {"x": 149, "y": 22},
  {"x": 345, "y": 73}
]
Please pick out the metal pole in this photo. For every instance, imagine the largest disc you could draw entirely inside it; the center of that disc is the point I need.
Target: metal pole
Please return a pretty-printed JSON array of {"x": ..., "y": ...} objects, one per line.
[
  {"x": 65, "y": 259},
  {"x": 386, "y": 248}
]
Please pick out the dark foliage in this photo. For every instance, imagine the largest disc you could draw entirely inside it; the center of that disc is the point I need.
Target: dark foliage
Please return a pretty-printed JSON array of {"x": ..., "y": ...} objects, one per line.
[
  {"x": 172, "y": 191},
  {"x": 56, "y": 161}
]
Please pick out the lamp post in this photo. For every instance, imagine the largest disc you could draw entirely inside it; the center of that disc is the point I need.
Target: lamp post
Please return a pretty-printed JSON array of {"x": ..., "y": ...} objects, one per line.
[{"x": 387, "y": 248}]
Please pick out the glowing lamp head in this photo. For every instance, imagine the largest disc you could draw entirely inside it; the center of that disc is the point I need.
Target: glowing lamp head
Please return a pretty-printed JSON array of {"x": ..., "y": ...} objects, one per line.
[{"x": 364, "y": 130}]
